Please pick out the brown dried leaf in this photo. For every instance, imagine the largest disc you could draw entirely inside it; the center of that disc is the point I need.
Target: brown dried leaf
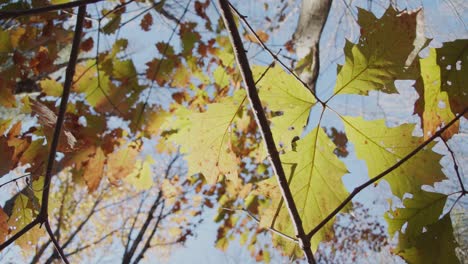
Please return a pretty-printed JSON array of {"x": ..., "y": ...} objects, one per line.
[{"x": 146, "y": 22}]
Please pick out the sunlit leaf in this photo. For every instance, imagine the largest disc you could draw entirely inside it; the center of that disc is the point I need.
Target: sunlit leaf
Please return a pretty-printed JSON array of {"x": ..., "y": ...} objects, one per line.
[
  {"x": 288, "y": 100},
  {"x": 141, "y": 177},
  {"x": 381, "y": 147},
  {"x": 437, "y": 110},
  {"x": 94, "y": 170},
  {"x": 314, "y": 174},
  {"x": 206, "y": 138},
  {"x": 381, "y": 55}
]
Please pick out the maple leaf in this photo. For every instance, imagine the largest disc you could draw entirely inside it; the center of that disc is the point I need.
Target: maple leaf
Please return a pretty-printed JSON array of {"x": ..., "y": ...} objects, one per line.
[
  {"x": 452, "y": 58},
  {"x": 4, "y": 230},
  {"x": 146, "y": 22},
  {"x": 87, "y": 44},
  {"x": 48, "y": 119},
  {"x": 51, "y": 87},
  {"x": 314, "y": 174},
  {"x": 436, "y": 112},
  {"x": 121, "y": 163},
  {"x": 384, "y": 53},
  {"x": 94, "y": 169},
  {"x": 206, "y": 138},
  {"x": 381, "y": 147},
  {"x": 262, "y": 35},
  {"x": 423, "y": 209},
  {"x": 25, "y": 209},
  {"x": 436, "y": 245},
  {"x": 141, "y": 177},
  {"x": 288, "y": 100},
  {"x": 6, "y": 162}
]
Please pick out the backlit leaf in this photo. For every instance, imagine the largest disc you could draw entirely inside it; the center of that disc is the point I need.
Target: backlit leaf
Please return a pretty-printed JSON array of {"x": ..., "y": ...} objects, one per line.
[
  {"x": 423, "y": 209},
  {"x": 381, "y": 55},
  {"x": 381, "y": 147},
  {"x": 452, "y": 58},
  {"x": 206, "y": 138},
  {"x": 141, "y": 177},
  {"x": 94, "y": 170},
  {"x": 288, "y": 100},
  {"x": 314, "y": 174},
  {"x": 437, "y": 110},
  {"x": 436, "y": 245}
]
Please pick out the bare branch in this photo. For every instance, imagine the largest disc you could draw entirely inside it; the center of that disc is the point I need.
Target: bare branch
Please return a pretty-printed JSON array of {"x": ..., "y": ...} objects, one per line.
[
  {"x": 262, "y": 122},
  {"x": 39, "y": 10}
]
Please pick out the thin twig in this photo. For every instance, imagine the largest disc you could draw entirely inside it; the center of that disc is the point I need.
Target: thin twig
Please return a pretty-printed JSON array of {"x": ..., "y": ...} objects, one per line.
[
  {"x": 39, "y": 10},
  {"x": 273, "y": 55},
  {"x": 262, "y": 122},
  {"x": 383, "y": 174},
  {"x": 15, "y": 179},
  {"x": 455, "y": 165},
  {"x": 273, "y": 230}
]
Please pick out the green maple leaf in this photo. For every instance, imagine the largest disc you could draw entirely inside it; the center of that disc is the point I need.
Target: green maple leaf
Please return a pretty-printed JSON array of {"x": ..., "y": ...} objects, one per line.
[
  {"x": 453, "y": 61},
  {"x": 384, "y": 53},
  {"x": 436, "y": 110},
  {"x": 206, "y": 138},
  {"x": 288, "y": 100},
  {"x": 381, "y": 147},
  {"x": 436, "y": 245},
  {"x": 423, "y": 209},
  {"x": 314, "y": 174}
]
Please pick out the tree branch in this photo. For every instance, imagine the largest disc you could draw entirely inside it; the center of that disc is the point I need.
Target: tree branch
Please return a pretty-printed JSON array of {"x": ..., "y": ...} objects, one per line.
[
  {"x": 70, "y": 72},
  {"x": 56, "y": 244},
  {"x": 262, "y": 122},
  {"x": 383, "y": 174},
  {"x": 42, "y": 218},
  {"x": 150, "y": 237},
  {"x": 39, "y": 10},
  {"x": 130, "y": 253}
]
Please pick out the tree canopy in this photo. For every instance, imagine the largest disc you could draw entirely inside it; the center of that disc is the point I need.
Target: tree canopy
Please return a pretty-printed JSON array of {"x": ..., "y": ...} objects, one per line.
[{"x": 123, "y": 122}]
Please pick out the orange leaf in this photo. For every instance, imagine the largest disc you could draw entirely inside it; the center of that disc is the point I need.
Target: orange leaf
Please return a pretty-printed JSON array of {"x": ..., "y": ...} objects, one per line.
[
  {"x": 121, "y": 163},
  {"x": 94, "y": 170},
  {"x": 262, "y": 35},
  {"x": 3, "y": 225}
]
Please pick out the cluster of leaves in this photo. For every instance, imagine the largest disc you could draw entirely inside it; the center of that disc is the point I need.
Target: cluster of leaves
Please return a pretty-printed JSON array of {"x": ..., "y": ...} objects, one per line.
[
  {"x": 209, "y": 122},
  {"x": 387, "y": 50}
]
